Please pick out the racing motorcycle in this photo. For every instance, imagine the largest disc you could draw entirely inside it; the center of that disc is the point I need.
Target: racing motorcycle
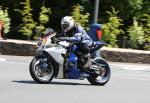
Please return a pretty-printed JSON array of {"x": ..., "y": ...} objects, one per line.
[{"x": 56, "y": 59}]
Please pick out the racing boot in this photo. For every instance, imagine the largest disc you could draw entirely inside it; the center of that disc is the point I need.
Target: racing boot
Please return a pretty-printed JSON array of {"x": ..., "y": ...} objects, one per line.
[{"x": 87, "y": 62}]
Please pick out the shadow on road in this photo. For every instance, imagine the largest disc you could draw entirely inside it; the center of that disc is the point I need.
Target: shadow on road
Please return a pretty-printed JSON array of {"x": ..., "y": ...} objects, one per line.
[
  {"x": 52, "y": 83},
  {"x": 68, "y": 83},
  {"x": 25, "y": 82}
]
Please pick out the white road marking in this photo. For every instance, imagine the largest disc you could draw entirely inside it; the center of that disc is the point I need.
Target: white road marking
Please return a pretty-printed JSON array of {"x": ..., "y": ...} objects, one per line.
[
  {"x": 131, "y": 67},
  {"x": 3, "y": 59},
  {"x": 135, "y": 78}
]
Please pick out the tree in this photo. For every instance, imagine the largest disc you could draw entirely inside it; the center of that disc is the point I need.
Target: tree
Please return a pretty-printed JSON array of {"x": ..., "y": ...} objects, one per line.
[
  {"x": 79, "y": 16},
  {"x": 136, "y": 34},
  {"x": 127, "y": 8},
  {"x": 112, "y": 29},
  {"x": 146, "y": 28},
  {"x": 147, "y": 45},
  {"x": 28, "y": 23},
  {"x": 44, "y": 16},
  {"x": 43, "y": 19},
  {"x": 5, "y": 19}
]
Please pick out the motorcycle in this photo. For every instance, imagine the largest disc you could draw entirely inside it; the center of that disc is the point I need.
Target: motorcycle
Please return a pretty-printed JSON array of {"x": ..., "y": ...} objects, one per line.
[{"x": 56, "y": 59}]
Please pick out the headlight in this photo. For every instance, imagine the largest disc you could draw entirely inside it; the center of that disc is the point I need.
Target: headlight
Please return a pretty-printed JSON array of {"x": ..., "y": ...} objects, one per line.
[{"x": 39, "y": 52}]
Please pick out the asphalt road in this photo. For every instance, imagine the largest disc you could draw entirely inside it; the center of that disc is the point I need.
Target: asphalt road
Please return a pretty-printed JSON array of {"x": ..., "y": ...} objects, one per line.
[{"x": 125, "y": 86}]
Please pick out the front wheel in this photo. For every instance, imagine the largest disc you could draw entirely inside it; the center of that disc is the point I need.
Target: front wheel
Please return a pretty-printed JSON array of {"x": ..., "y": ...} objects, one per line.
[
  {"x": 41, "y": 70},
  {"x": 100, "y": 72}
]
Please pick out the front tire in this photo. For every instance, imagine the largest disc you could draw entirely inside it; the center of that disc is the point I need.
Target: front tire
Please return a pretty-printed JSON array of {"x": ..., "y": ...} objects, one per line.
[
  {"x": 101, "y": 71},
  {"x": 39, "y": 73}
]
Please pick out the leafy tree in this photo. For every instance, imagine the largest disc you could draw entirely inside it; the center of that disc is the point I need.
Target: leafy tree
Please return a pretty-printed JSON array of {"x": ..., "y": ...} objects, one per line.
[
  {"x": 136, "y": 34},
  {"x": 127, "y": 8},
  {"x": 112, "y": 29},
  {"x": 134, "y": 6},
  {"x": 147, "y": 45},
  {"x": 112, "y": 23},
  {"x": 5, "y": 19},
  {"x": 79, "y": 16},
  {"x": 28, "y": 23},
  {"x": 43, "y": 19},
  {"x": 146, "y": 27}
]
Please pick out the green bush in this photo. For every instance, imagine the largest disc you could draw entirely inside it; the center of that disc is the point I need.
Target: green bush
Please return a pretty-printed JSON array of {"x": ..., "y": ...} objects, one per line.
[
  {"x": 147, "y": 33},
  {"x": 43, "y": 19},
  {"x": 28, "y": 24},
  {"x": 5, "y": 19},
  {"x": 136, "y": 34},
  {"x": 79, "y": 16},
  {"x": 112, "y": 29}
]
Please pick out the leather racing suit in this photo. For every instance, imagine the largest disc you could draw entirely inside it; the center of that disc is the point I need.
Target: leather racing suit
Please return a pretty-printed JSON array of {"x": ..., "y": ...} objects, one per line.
[{"x": 78, "y": 34}]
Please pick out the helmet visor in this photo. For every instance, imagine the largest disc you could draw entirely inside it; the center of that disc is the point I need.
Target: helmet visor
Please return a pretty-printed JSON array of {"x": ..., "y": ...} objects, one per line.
[{"x": 65, "y": 26}]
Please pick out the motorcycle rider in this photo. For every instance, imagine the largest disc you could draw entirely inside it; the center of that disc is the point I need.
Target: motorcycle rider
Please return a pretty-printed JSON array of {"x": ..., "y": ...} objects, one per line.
[{"x": 73, "y": 32}]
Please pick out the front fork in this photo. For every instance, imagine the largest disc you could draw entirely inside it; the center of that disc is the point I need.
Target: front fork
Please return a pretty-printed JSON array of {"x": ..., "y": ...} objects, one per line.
[{"x": 44, "y": 63}]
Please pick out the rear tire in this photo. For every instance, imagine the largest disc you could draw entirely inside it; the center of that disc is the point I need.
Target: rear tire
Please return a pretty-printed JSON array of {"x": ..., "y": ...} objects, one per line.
[
  {"x": 98, "y": 79},
  {"x": 35, "y": 70}
]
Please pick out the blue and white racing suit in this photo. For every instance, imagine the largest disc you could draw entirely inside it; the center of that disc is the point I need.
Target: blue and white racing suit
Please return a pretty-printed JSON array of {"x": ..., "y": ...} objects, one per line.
[{"x": 78, "y": 34}]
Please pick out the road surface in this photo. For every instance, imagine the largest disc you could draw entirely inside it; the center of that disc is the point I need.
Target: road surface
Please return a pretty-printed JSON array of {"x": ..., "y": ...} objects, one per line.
[{"x": 125, "y": 86}]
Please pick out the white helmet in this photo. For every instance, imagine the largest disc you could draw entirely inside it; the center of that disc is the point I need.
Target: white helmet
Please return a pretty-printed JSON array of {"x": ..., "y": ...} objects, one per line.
[{"x": 67, "y": 23}]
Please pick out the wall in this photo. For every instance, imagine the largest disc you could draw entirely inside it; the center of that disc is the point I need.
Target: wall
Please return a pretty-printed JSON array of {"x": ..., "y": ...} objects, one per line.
[{"x": 27, "y": 48}]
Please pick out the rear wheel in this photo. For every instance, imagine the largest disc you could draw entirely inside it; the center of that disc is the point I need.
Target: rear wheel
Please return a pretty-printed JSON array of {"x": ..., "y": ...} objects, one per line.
[
  {"x": 41, "y": 70},
  {"x": 100, "y": 72}
]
